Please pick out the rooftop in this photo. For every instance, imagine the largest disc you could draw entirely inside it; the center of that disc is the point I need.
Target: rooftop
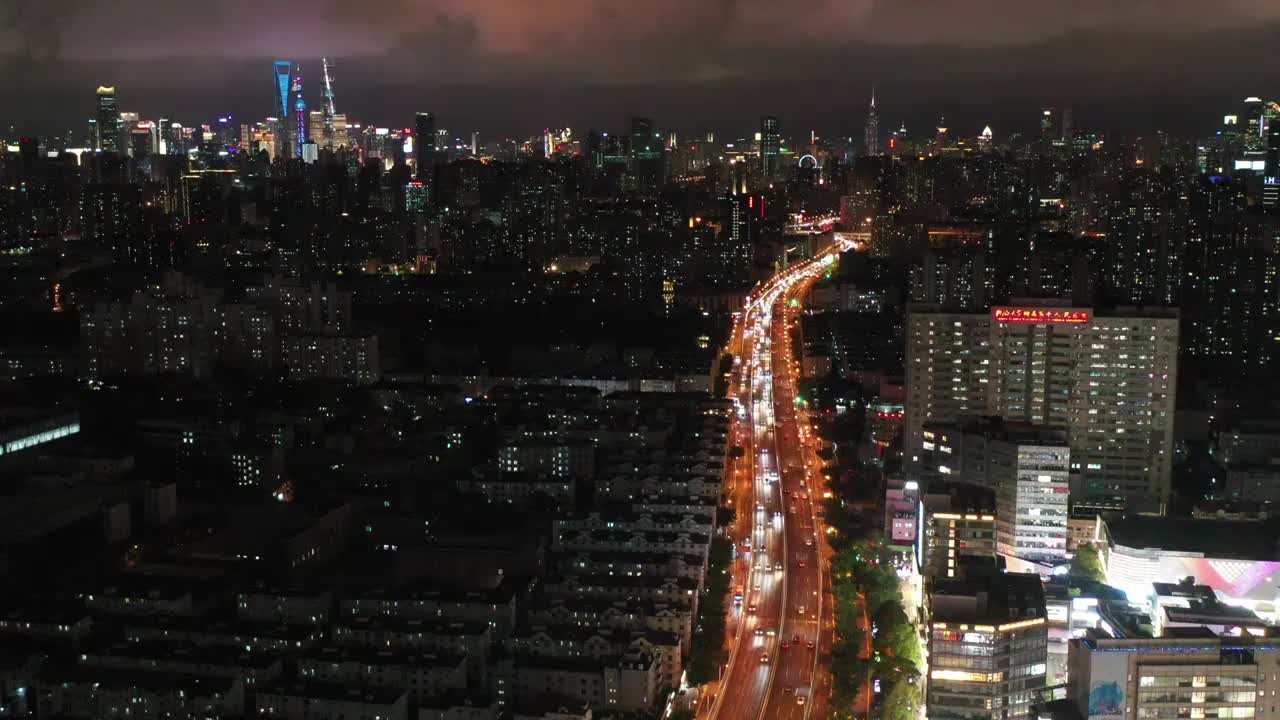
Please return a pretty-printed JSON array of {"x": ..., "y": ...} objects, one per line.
[{"x": 1225, "y": 539}]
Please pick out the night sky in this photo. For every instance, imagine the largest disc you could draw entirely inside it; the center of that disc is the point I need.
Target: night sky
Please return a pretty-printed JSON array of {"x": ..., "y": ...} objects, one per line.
[{"x": 515, "y": 66}]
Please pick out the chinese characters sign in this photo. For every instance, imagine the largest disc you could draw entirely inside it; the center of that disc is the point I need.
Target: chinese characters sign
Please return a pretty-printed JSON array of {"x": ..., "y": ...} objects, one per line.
[{"x": 1067, "y": 316}]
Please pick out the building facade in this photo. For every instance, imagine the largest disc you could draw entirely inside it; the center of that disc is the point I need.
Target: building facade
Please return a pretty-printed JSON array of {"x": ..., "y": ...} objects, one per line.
[{"x": 1110, "y": 380}]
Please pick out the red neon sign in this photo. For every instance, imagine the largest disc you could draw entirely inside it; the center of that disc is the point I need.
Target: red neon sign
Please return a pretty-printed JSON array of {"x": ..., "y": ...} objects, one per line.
[{"x": 1063, "y": 316}]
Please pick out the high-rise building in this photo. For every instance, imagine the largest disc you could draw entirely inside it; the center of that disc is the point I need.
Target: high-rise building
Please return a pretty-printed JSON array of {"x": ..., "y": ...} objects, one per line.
[
  {"x": 318, "y": 128},
  {"x": 1271, "y": 175},
  {"x": 1049, "y": 129},
  {"x": 1026, "y": 467},
  {"x": 770, "y": 142},
  {"x": 299, "y": 113},
  {"x": 108, "y": 121},
  {"x": 646, "y": 154},
  {"x": 988, "y": 647},
  {"x": 282, "y": 70},
  {"x": 957, "y": 526},
  {"x": 1253, "y": 118},
  {"x": 424, "y": 148},
  {"x": 871, "y": 134},
  {"x": 1109, "y": 379},
  {"x": 330, "y": 111}
]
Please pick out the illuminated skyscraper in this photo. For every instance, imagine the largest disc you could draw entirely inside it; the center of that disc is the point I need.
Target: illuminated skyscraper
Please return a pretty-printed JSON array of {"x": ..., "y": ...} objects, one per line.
[
  {"x": 871, "y": 134},
  {"x": 327, "y": 137},
  {"x": 108, "y": 124},
  {"x": 299, "y": 112},
  {"x": 283, "y": 68},
  {"x": 770, "y": 146},
  {"x": 1271, "y": 176}
]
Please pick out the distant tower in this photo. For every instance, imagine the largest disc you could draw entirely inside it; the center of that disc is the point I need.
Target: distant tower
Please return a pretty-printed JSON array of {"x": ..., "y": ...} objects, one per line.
[
  {"x": 424, "y": 145},
  {"x": 108, "y": 121},
  {"x": 280, "y": 89},
  {"x": 770, "y": 146},
  {"x": 330, "y": 109},
  {"x": 299, "y": 112},
  {"x": 871, "y": 135},
  {"x": 984, "y": 140}
]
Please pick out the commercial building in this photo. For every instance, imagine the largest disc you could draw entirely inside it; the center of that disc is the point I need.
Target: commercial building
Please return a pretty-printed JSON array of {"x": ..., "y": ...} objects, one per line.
[
  {"x": 1191, "y": 674},
  {"x": 957, "y": 527},
  {"x": 108, "y": 121},
  {"x": 1025, "y": 465},
  {"x": 988, "y": 647},
  {"x": 1238, "y": 559},
  {"x": 1110, "y": 379}
]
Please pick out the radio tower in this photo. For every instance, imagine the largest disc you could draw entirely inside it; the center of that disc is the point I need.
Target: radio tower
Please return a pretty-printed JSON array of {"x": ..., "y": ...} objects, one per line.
[
  {"x": 299, "y": 111},
  {"x": 329, "y": 109}
]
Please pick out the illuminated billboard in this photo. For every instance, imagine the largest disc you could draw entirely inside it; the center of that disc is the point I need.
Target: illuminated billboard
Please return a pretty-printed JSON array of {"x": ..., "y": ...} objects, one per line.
[
  {"x": 1037, "y": 315},
  {"x": 1242, "y": 581}
]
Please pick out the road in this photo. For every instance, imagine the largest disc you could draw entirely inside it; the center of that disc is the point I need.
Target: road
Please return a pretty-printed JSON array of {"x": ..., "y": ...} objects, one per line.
[{"x": 781, "y": 566}]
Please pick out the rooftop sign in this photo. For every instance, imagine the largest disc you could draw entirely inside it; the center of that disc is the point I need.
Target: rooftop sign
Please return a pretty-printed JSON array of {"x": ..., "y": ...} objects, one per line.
[{"x": 1037, "y": 315}]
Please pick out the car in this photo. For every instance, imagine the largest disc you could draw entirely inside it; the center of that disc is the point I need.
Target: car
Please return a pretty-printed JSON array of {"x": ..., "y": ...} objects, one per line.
[
  {"x": 759, "y": 632},
  {"x": 757, "y": 583},
  {"x": 809, "y": 644},
  {"x": 799, "y": 699},
  {"x": 777, "y": 566},
  {"x": 770, "y": 632},
  {"x": 788, "y": 690},
  {"x": 751, "y": 609},
  {"x": 737, "y": 598},
  {"x": 800, "y": 610},
  {"x": 801, "y": 563},
  {"x": 796, "y": 639},
  {"x": 786, "y": 645},
  {"x": 764, "y": 659}
]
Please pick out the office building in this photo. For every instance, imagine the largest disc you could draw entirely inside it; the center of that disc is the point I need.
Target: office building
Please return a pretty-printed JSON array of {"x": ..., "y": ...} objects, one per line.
[
  {"x": 1191, "y": 673},
  {"x": 424, "y": 144},
  {"x": 1026, "y": 466},
  {"x": 1110, "y": 379},
  {"x": 108, "y": 121},
  {"x": 1271, "y": 175},
  {"x": 646, "y": 155},
  {"x": 988, "y": 647},
  {"x": 957, "y": 530},
  {"x": 770, "y": 142}
]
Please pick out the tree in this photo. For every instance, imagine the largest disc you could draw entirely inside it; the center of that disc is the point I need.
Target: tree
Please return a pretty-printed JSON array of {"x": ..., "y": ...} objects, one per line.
[
  {"x": 707, "y": 651},
  {"x": 901, "y": 699},
  {"x": 1087, "y": 564}
]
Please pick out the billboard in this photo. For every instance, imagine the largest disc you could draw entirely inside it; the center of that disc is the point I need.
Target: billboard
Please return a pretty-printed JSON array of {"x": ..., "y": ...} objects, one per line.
[
  {"x": 1108, "y": 678},
  {"x": 1238, "y": 580},
  {"x": 1041, "y": 315}
]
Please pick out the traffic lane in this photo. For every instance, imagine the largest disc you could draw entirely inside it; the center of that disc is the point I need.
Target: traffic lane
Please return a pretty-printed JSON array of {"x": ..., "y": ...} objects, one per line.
[{"x": 744, "y": 689}]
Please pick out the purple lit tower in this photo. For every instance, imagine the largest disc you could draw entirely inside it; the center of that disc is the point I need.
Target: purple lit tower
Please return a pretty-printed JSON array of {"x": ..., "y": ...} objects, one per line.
[{"x": 299, "y": 111}]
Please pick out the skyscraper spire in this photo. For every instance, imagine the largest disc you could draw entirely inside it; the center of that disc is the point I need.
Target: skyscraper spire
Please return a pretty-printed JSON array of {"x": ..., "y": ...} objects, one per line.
[
  {"x": 330, "y": 110},
  {"x": 871, "y": 135},
  {"x": 329, "y": 107},
  {"x": 281, "y": 70}
]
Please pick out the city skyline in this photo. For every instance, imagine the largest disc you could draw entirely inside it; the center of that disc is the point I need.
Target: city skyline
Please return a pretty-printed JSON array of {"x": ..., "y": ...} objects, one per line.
[{"x": 1112, "y": 66}]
